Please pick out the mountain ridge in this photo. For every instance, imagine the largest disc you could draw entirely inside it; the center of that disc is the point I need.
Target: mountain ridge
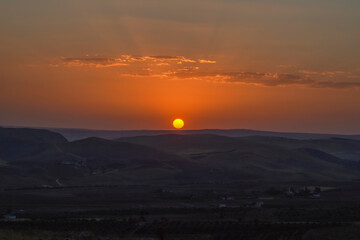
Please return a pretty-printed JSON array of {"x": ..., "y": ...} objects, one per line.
[
  {"x": 72, "y": 134},
  {"x": 31, "y": 157}
]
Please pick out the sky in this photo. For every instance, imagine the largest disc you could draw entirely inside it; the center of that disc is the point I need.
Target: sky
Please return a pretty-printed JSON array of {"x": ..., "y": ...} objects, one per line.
[{"x": 286, "y": 65}]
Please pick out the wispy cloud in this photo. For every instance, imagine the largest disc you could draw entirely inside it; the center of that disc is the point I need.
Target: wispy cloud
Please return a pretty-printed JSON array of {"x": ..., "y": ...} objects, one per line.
[
  {"x": 308, "y": 72},
  {"x": 206, "y": 61},
  {"x": 98, "y": 62},
  {"x": 266, "y": 79},
  {"x": 184, "y": 68},
  {"x": 125, "y": 60},
  {"x": 256, "y": 78},
  {"x": 253, "y": 78},
  {"x": 336, "y": 84},
  {"x": 324, "y": 73}
]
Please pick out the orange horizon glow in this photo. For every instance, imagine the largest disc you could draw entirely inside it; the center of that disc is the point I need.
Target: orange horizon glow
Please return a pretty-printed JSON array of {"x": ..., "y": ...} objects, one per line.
[{"x": 218, "y": 65}]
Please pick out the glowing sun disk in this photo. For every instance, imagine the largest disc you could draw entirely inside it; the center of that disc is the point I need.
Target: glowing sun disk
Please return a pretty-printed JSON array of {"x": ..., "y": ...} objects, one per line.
[{"x": 178, "y": 123}]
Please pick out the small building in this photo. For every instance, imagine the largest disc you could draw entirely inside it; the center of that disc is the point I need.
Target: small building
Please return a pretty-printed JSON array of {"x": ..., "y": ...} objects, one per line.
[
  {"x": 257, "y": 204},
  {"x": 315, "y": 196},
  {"x": 20, "y": 212},
  {"x": 290, "y": 193},
  {"x": 9, "y": 217},
  {"x": 227, "y": 198}
]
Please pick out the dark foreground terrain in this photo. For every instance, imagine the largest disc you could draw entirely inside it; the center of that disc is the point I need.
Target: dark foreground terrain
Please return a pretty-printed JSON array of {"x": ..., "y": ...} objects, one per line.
[
  {"x": 172, "y": 186},
  {"x": 190, "y": 211}
]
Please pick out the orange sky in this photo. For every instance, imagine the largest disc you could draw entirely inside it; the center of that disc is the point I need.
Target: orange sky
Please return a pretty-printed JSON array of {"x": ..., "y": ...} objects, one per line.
[{"x": 140, "y": 64}]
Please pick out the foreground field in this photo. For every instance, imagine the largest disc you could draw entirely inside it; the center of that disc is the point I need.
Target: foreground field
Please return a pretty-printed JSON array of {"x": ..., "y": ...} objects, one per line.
[
  {"x": 191, "y": 211},
  {"x": 224, "y": 230}
]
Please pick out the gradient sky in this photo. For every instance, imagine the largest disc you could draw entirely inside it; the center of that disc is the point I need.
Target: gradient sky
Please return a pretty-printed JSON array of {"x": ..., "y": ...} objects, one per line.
[{"x": 286, "y": 65}]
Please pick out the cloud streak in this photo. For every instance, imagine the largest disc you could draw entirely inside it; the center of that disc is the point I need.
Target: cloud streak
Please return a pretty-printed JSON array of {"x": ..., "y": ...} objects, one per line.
[
  {"x": 253, "y": 78},
  {"x": 184, "y": 68},
  {"x": 125, "y": 60}
]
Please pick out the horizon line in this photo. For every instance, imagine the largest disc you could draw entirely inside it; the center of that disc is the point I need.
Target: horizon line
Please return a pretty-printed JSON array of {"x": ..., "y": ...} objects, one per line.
[{"x": 180, "y": 130}]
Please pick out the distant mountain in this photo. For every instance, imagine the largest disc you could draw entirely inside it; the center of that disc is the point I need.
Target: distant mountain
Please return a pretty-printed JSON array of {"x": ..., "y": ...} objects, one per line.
[
  {"x": 101, "y": 151},
  {"x": 75, "y": 134},
  {"x": 41, "y": 156},
  {"x": 185, "y": 143},
  {"x": 22, "y": 143},
  {"x": 16, "y": 143},
  {"x": 260, "y": 157},
  {"x": 208, "y": 142},
  {"x": 346, "y": 149},
  {"x": 30, "y": 135},
  {"x": 37, "y": 157}
]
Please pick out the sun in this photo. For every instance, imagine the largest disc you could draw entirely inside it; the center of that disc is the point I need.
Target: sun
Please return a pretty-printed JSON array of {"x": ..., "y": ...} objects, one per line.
[{"x": 178, "y": 123}]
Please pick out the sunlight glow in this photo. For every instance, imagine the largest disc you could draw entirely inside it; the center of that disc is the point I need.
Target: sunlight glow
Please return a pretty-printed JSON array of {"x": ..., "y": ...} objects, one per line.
[{"x": 178, "y": 123}]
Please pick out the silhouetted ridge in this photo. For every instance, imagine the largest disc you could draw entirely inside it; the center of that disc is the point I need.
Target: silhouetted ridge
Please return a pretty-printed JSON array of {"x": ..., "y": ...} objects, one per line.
[
  {"x": 19, "y": 143},
  {"x": 31, "y": 135},
  {"x": 74, "y": 134},
  {"x": 31, "y": 156}
]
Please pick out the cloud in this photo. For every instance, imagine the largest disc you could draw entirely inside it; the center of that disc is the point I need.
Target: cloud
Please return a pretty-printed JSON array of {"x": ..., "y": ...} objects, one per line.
[
  {"x": 270, "y": 79},
  {"x": 184, "y": 68},
  {"x": 94, "y": 62},
  {"x": 125, "y": 60},
  {"x": 336, "y": 84},
  {"x": 256, "y": 78},
  {"x": 206, "y": 61},
  {"x": 332, "y": 73},
  {"x": 327, "y": 73}
]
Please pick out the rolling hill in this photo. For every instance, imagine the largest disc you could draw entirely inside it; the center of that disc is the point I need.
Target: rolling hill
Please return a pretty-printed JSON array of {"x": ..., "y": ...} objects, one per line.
[
  {"x": 18, "y": 143},
  {"x": 90, "y": 161},
  {"x": 260, "y": 157},
  {"x": 76, "y": 134},
  {"x": 33, "y": 158}
]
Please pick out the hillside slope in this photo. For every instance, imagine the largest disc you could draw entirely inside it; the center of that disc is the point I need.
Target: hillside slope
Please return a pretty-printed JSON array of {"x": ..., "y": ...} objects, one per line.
[
  {"x": 262, "y": 157},
  {"x": 30, "y": 157}
]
